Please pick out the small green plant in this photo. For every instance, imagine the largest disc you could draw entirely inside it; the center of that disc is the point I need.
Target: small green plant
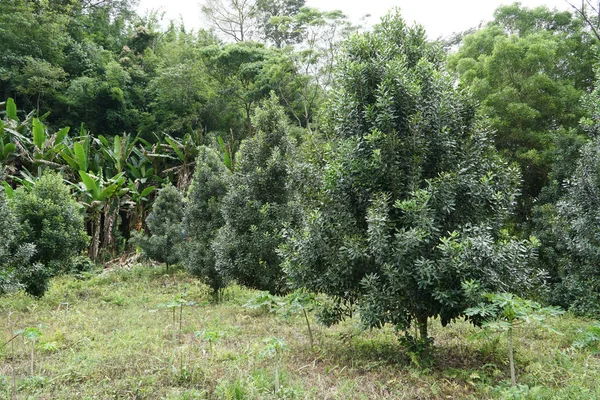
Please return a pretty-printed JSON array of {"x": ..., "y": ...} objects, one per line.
[
  {"x": 211, "y": 337},
  {"x": 299, "y": 301},
  {"x": 274, "y": 349},
  {"x": 504, "y": 312},
  {"x": 419, "y": 350},
  {"x": 589, "y": 339},
  {"x": 177, "y": 303},
  {"x": 31, "y": 334},
  {"x": 264, "y": 302}
]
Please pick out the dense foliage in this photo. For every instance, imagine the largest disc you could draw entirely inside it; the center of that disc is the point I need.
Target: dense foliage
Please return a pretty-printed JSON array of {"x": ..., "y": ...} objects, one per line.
[
  {"x": 383, "y": 172},
  {"x": 165, "y": 225},
  {"x": 256, "y": 207},
  {"x": 202, "y": 218},
  {"x": 529, "y": 69},
  {"x": 413, "y": 195}
]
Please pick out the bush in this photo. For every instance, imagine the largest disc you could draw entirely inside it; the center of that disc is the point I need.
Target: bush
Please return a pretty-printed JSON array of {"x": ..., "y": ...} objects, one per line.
[
  {"x": 52, "y": 220},
  {"x": 165, "y": 226},
  {"x": 203, "y": 218},
  {"x": 12, "y": 254},
  {"x": 257, "y": 206}
]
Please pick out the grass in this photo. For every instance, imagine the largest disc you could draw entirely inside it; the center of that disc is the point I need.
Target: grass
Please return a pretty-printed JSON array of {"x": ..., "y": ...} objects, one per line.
[{"x": 116, "y": 343}]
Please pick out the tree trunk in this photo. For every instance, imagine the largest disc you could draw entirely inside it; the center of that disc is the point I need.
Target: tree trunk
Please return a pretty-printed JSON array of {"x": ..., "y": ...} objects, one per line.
[
  {"x": 95, "y": 245},
  {"x": 107, "y": 231},
  {"x": 422, "y": 324}
]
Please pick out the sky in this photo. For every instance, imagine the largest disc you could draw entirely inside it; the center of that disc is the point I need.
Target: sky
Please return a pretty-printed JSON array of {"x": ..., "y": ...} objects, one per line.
[{"x": 439, "y": 17}]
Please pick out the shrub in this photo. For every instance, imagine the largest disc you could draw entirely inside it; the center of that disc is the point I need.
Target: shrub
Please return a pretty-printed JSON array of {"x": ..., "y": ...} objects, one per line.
[
  {"x": 257, "y": 206},
  {"x": 165, "y": 226},
  {"x": 52, "y": 220},
  {"x": 203, "y": 218},
  {"x": 11, "y": 253}
]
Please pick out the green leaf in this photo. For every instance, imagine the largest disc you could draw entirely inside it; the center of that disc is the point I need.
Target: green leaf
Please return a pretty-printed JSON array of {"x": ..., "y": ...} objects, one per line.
[
  {"x": 10, "y": 192},
  {"x": 80, "y": 156},
  {"x": 117, "y": 152},
  {"x": 103, "y": 140},
  {"x": 8, "y": 149},
  {"x": 175, "y": 147},
  {"x": 147, "y": 191},
  {"x": 70, "y": 160},
  {"x": 39, "y": 134},
  {"x": 90, "y": 184},
  {"x": 226, "y": 156},
  {"x": 108, "y": 191},
  {"x": 61, "y": 134},
  {"x": 11, "y": 109}
]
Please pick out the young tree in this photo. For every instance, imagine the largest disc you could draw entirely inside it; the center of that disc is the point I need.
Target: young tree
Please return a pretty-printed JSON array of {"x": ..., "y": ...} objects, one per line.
[
  {"x": 14, "y": 256},
  {"x": 53, "y": 221},
  {"x": 413, "y": 194},
  {"x": 165, "y": 226},
  {"x": 203, "y": 218},
  {"x": 256, "y": 208}
]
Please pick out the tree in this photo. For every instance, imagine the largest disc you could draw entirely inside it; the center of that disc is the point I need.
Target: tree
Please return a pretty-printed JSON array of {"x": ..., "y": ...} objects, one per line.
[
  {"x": 256, "y": 208},
  {"x": 573, "y": 228},
  {"x": 203, "y": 218},
  {"x": 54, "y": 222},
  {"x": 276, "y": 22},
  {"x": 232, "y": 18},
  {"x": 165, "y": 226},
  {"x": 413, "y": 194},
  {"x": 528, "y": 69},
  {"x": 15, "y": 256},
  {"x": 593, "y": 20}
]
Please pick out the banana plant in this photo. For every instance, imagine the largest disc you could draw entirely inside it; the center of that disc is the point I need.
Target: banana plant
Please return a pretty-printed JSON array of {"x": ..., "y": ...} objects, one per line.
[
  {"x": 184, "y": 152},
  {"x": 102, "y": 198},
  {"x": 143, "y": 182},
  {"x": 29, "y": 142},
  {"x": 116, "y": 154}
]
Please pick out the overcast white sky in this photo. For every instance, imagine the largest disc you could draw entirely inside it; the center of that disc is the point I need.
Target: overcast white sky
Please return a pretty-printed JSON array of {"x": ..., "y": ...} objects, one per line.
[{"x": 439, "y": 17}]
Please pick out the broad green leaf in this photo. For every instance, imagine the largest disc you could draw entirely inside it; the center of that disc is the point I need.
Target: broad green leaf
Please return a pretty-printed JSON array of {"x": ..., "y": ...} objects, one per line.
[
  {"x": 108, "y": 191},
  {"x": 117, "y": 152},
  {"x": 226, "y": 156},
  {"x": 90, "y": 184},
  {"x": 70, "y": 160},
  {"x": 175, "y": 147},
  {"x": 61, "y": 134},
  {"x": 39, "y": 134},
  {"x": 80, "y": 156},
  {"x": 103, "y": 140},
  {"x": 11, "y": 109},
  {"x": 147, "y": 191},
  {"x": 8, "y": 190}
]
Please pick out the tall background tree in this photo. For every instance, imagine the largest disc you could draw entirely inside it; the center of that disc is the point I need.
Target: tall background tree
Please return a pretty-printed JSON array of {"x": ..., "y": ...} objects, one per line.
[{"x": 528, "y": 68}]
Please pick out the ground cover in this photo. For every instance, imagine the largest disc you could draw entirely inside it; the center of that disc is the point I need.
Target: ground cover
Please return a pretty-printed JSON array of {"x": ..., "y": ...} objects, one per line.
[{"x": 143, "y": 333}]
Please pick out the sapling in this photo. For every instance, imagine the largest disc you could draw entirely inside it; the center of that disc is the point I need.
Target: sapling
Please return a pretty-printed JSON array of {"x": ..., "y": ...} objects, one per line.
[
  {"x": 504, "y": 312},
  {"x": 298, "y": 301},
  {"x": 209, "y": 336},
  {"x": 33, "y": 335},
  {"x": 178, "y": 302},
  {"x": 274, "y": 348}
]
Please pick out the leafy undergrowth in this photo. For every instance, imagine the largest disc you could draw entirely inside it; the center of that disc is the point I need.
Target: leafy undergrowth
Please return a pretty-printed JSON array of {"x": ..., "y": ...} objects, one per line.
[{"x": 122, "y": 338}]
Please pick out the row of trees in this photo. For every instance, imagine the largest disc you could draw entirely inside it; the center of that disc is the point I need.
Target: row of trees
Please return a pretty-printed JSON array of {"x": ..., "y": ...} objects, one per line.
[
  {"x": 403, "y": 210},
  {"x": 398, "y": 200}
]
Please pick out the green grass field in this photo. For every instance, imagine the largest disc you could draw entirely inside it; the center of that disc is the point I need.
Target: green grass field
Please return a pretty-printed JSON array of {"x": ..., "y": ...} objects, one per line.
[{"x": 116, "y": 342}]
